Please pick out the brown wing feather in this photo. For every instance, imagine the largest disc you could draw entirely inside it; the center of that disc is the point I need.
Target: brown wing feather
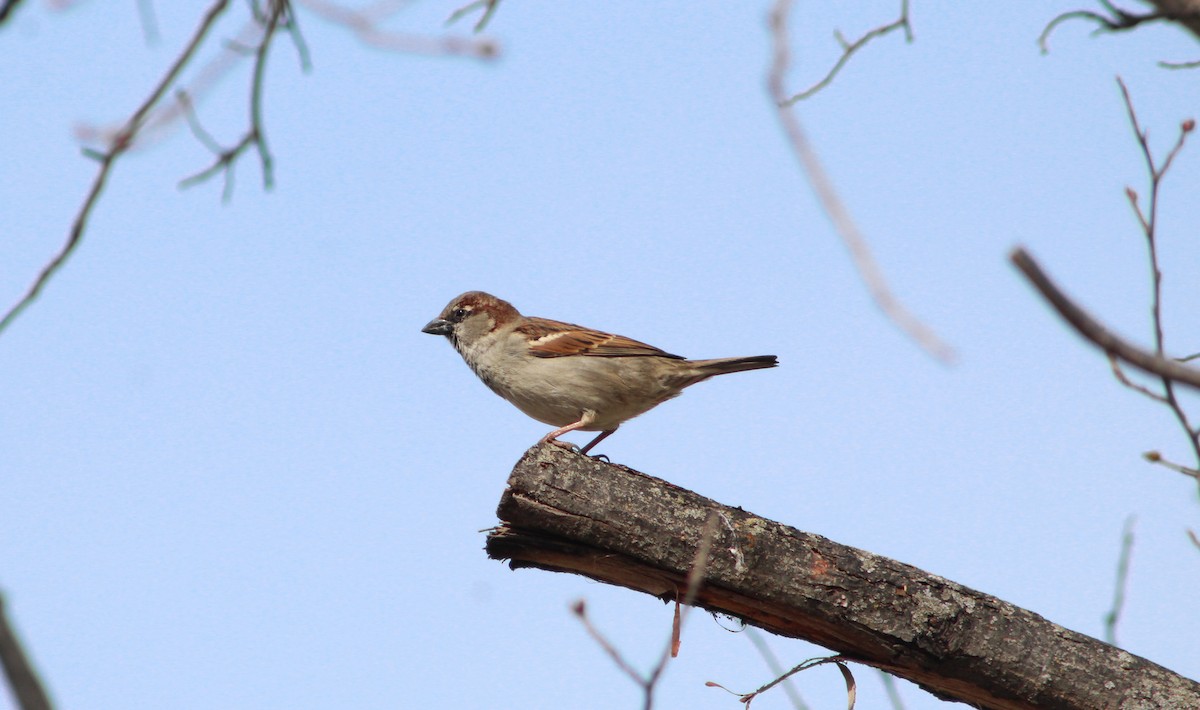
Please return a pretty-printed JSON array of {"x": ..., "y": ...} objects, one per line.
[{"x": 555, "y": 339}]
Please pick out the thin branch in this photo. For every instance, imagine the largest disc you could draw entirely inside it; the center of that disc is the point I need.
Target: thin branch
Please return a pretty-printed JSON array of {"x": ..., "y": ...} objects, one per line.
[
  {"x": 149, "y": 21},
  {"x": 1157, "y": 457},
  {"x": 255, "y": 136},
  {"x": 26, "y": 689},
  {"x": 365, "y": 24},
  {"x": 695, "y": 578},
  {"x": 893, "y": 693},
  {"x": 1091, "y": 329},
  {"x": 6, "y": 9},
  {"x": 1118, "y": 373},
  {"x": 293, "y": 27},
  {"x": 1117, "y": 20},
  {"x": 849, "y": 48},
  {"x": 489, "y": 9},
  {"x": 1118, "y": 605},
  {"x": 193, "y": 121},
  {"x": 851, "y": 692},
  {"x": 120, "y": 144},
  {"x": 580, "y": 610},
  {"x": 860, "y": 252},
  {"x": 775, "y": 667},
  {"x": 1180, "y": 65},
  {"x": 1149, "y": 224}
]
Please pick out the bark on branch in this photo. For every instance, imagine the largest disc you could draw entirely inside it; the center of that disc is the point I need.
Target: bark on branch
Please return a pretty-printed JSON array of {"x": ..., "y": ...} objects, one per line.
[{"x": 569, "y": 513}]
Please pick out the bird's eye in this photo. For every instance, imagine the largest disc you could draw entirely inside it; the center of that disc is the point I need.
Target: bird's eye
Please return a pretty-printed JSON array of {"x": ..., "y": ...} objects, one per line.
[{"x": 459, "y": 314}]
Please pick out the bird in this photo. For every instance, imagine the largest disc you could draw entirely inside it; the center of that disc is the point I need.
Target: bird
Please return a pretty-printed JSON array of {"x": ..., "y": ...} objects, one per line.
[{"x": 569, "y": 376}]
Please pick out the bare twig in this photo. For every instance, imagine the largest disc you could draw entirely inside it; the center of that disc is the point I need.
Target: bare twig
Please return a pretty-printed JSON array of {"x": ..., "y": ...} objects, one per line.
[
  {"x": 154, "y": 115},
  {"x": 1114, "y": 615},
  {"x": 6, "y": 9},
  {"x": 893, "y": 693},
  {"x": 149, "y": 21},
  {"x": 649, "y": 681},
  {"x": 860, "y": 252},
  {"x": 1118, "y": 373},
  {"x": 1148, "y": 220},
  {"x": 119, "y": 145},
  {"x": 489, "y": 9},
  {"x": 1117, "y": 20},
  {"x": 775, "y": 667},
  {"x": 1157, "y": 457},
  {"x": 1180, "y": 65},
  {"x": 849, "y": 48},
  {"x": 26, "y": 689},
  {"x": 1092, "y": 330},
  {"x": 255, "y": 136},
  {"x": 851, "y": 689},
  {"x": 366, "y": 25},
  {"x": 580, "y": 610}
]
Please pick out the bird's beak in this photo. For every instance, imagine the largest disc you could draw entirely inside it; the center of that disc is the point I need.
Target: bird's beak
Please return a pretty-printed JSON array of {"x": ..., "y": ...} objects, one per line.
[{"x": 438, "y": 326}]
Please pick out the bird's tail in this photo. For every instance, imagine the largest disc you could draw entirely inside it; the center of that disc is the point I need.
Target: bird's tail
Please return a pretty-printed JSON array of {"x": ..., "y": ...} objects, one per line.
[{"x": 723, "y": 366}]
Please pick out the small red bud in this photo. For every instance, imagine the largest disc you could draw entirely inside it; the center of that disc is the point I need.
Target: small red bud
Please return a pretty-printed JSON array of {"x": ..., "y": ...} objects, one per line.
[{"x": 1189, "y": 125}]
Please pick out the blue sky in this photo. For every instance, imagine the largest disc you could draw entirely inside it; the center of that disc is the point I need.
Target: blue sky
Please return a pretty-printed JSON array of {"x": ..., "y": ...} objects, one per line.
[{"x": 235, "y": 473}]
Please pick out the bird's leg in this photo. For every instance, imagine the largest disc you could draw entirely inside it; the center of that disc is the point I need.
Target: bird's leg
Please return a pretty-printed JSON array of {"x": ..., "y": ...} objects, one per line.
[
  {"x": 597, "y": 440},
  {"x": 587, "y": 418}
]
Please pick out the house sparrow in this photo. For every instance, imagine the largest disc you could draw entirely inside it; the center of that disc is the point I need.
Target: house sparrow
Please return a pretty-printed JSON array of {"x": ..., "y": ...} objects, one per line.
[{"x": 565, "y": 375}]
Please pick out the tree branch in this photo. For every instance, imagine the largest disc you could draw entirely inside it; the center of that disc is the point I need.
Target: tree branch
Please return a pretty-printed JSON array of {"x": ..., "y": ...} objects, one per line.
[
  {"x": 570, "y": 513},
  {"x": 6, "y": 9},
  {"x": 850, "y": 48},
  {"x": 22, "y": 680},
  {"x": 1148, "y": 219},
  {"x": 1185, "y": 13},
  {"x": 1097, "y": 334}
]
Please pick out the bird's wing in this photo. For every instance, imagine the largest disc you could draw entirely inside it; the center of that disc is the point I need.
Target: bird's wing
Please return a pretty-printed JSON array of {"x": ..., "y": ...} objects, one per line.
[{"x": 551, "y": 338}]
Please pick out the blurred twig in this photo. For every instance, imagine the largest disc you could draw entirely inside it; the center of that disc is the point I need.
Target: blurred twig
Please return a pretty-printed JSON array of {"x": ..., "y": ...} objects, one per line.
[
  {"x": 489, "y": 9},
  {"x": 1092, "y": 330},
  {"x": 649, "y": 681},
  {"x": 255, "y": 41},
  {"x": 849, "y": 48},
  {"x": 775, "y": 667},
  {"x": 1116, "y": 20},
  {"x": 6, "y": 9},
  {"x": 149, "y": 21},
  {"x": 119, "y": 145},
  {"x": 366, "y": 24},
  {"x": 1114, "y": 615},
  {"x": 26, "y": 689},
  {"x": 893, "y": 693},
  {"x": 860, "y": 252},
  {"x": 255, "y": 136}
]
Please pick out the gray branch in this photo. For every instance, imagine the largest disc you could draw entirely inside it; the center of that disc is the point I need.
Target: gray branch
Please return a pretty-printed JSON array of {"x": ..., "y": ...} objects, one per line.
[{"x": 569, "y": 513}]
